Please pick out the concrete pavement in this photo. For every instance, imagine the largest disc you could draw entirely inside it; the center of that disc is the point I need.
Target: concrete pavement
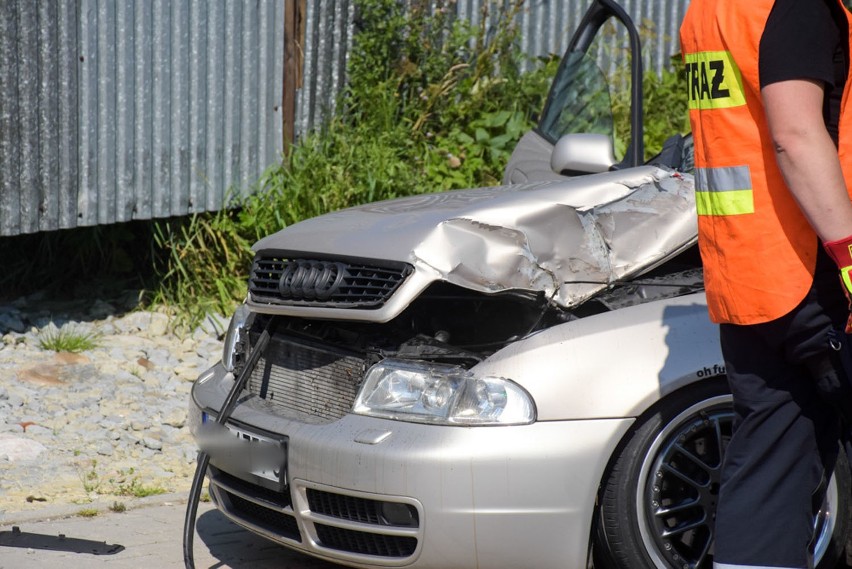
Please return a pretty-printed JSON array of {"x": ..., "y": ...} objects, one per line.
[{"x": 146, "y": 536}]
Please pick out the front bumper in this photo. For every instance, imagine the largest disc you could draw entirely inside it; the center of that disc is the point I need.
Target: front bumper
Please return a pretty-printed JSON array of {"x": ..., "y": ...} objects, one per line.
[{"x": 372, "y": 493}]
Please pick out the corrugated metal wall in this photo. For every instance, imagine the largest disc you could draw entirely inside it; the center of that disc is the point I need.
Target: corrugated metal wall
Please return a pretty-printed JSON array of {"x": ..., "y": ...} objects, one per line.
[
  {"x": 114, "y": 110},
  {"x": 117, "y": 110},
  {"x": 327, "y": 40},
  {"x": 38, "y": 116}
]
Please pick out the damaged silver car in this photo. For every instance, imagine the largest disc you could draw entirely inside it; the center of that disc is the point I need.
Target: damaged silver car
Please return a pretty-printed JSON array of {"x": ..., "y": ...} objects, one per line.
[{"x": 507, "y": 377}]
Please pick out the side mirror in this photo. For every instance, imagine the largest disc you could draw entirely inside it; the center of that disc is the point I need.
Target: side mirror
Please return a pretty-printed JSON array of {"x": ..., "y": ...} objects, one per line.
[{"x": 583, "y": 153}]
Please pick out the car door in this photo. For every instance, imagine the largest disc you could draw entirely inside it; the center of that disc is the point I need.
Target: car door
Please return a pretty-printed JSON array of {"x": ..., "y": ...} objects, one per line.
[{"x": 592, "y": 120}]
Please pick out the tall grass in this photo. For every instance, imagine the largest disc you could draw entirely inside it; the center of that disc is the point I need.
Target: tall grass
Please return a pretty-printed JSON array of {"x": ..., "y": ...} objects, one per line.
[{"x": 203, "y": 266}]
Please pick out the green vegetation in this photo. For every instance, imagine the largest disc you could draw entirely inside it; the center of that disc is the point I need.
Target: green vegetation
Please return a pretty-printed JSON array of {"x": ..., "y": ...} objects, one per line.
[
  {"x": 665, "y": 105},
  {"x": 127, "y": 483},
  {"x": 88, "y": 513},
  {"x": 665, "y": 99},
  {"x": 90, "y": 478},
  {"x": 118, "y": 507},
  {"x": 136, "y": 489},
  {"x": 122, "y": 483},
  {"x": 67, "y": 339}
]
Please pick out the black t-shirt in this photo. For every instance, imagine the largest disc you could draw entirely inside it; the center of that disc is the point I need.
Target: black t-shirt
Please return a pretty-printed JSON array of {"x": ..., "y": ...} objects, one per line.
[{"x": 807, "y": 39}]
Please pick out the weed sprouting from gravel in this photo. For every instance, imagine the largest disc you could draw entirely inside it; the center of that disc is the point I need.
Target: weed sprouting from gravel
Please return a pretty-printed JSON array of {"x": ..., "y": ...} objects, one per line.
[
  {"x": 67, "y": 339},
  {"x": 90, "y": 478},
  {"x": 126, "y": 483}
]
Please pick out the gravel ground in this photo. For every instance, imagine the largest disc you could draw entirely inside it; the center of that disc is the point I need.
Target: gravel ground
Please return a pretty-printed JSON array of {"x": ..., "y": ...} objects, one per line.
[{"x": 108, "y": 423}]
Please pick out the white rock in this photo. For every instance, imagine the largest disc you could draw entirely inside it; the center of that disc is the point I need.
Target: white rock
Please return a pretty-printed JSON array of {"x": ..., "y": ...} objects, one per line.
[
  {"x": 175, "y": 418},
  {"x": 159, "y": 324},
  {"x": 18, "y": 449}
]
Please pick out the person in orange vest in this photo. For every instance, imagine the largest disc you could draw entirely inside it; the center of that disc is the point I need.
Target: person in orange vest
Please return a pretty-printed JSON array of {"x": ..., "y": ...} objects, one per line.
[{"x": 773, "y": 148}]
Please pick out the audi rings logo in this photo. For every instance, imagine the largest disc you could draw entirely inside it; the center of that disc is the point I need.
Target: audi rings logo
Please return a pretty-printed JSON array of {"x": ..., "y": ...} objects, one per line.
[{"x": 311, "y": 280}]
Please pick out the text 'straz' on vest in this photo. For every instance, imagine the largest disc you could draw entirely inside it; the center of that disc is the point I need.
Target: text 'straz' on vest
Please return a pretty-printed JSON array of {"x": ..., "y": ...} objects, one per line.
[{"x": 714, "y": 80}]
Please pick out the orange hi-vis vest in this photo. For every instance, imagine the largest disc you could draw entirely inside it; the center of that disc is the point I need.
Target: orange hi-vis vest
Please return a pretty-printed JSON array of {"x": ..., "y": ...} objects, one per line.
[{"x": 758, "y": 249}]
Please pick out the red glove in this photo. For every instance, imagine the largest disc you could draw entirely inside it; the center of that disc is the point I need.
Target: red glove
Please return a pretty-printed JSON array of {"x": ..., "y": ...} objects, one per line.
[{"x": 841, "y": 252}]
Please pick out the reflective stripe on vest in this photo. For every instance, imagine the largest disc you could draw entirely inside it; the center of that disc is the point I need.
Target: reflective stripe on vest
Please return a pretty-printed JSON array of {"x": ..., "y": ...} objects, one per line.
[
  {"x": 714, "y": 80},
  {"x": 723, "y": 191}
]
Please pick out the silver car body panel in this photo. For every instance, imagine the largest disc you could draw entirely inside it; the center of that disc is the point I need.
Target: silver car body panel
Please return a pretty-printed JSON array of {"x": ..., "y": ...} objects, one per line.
[
  {"x": 483, "y": 495},
  {"x": 568, "y": 239},
  {"x": 614, "y": 364}
]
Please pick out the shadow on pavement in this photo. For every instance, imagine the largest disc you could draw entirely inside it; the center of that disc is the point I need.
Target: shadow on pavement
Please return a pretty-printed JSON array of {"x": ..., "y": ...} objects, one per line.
[
  {"x": 238, "y": 548},
  {"x": 17, "y": 538}
]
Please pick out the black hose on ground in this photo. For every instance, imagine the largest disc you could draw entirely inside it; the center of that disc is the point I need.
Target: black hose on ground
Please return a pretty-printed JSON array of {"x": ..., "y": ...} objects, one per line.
[{"x": 204, "y": 458}]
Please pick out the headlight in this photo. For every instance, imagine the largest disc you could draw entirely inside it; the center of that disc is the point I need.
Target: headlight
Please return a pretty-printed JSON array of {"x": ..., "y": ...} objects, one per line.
[
  {"x": 233, "y": 351},
  {"x": 444, "y": 394}
]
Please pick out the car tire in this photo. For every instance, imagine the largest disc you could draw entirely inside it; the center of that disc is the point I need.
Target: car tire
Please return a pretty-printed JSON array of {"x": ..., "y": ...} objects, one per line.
[{"x": 658, "y": 497}]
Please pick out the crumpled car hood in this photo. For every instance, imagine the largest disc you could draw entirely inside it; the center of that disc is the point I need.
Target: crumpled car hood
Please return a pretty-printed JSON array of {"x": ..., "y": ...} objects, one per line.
[{"x": 569, "y": 239}]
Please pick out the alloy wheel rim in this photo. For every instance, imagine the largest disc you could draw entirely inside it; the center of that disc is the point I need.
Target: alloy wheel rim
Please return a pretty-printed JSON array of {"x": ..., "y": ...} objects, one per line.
[{"x": 679, "y": 484}]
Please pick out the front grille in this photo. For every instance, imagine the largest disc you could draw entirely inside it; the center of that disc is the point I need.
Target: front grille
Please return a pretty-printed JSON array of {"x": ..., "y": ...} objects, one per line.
[
  {"x": 321, "y": 283},
  {"x": 307, "y": 379},
  {"x": 354, "y": 509},
  {"x": 364, "y": 542}
]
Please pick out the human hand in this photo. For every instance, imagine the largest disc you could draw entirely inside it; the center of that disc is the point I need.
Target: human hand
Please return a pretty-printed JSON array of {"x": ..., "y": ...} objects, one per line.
[{"x": 841, "y": 252}]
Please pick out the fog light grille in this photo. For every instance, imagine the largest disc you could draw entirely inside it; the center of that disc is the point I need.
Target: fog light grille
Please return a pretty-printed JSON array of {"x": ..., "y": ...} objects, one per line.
[
  {"x": 359, "y": 509},
  {"x": 365, "y": 543}
]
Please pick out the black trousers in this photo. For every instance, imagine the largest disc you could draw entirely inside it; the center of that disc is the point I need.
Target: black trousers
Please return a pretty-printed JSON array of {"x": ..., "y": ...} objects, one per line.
[{"x": 787, "y": 381}]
